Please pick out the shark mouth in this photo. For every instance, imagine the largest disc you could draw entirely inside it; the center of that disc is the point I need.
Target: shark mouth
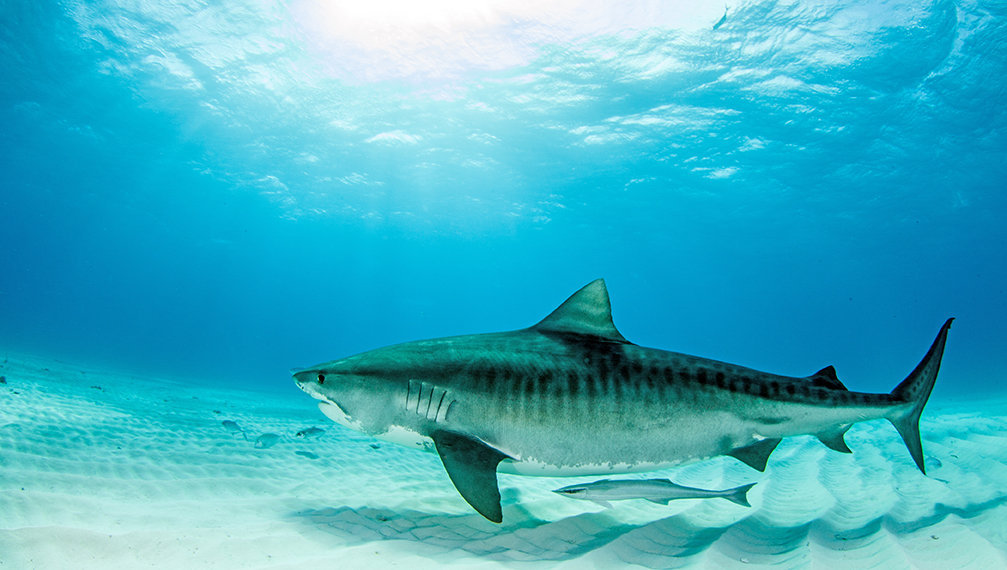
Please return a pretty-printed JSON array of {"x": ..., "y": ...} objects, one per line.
[
  {"x": 337, "y": 414},
  {"x": 310, "y": 388}
]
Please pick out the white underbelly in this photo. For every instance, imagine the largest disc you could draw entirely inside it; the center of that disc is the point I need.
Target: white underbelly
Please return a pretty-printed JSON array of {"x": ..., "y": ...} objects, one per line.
[
  {"x": 540, "y": 469},
  {"x": 519, "y": 464}
]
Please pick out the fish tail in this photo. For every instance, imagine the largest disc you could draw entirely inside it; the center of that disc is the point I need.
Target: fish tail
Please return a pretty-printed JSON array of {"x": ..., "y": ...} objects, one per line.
[
  {"x": 739, "y": 495},
  {"x": 912, "y": 394}
]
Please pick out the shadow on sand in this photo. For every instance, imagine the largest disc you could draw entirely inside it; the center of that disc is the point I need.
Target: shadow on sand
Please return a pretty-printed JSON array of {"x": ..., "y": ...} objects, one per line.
[
  {"x": 525, "y": 539},
  {"x": 665, "y": 543}
]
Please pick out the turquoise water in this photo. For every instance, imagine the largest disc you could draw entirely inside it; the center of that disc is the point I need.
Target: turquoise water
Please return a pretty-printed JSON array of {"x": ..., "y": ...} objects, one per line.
[
  {"x": 197, "y": 197},
  {"x": 106, "y": 471},
  {"x": 224, "y": 192}
]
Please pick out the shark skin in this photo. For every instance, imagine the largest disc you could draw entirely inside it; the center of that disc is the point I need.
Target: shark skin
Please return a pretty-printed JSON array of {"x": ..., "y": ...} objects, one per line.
[{"x": 571, "y": 396}]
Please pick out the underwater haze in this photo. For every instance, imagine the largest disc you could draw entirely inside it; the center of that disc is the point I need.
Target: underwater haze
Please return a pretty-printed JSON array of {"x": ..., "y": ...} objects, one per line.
[
  {"x": 227, "y": 191},
  {"x": 198, "y": 197},
  {"x": 230, "y": 191}
]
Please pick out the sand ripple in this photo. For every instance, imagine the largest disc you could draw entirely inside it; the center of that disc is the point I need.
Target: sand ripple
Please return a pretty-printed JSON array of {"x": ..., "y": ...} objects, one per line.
[{"x": 102, "y": 471}]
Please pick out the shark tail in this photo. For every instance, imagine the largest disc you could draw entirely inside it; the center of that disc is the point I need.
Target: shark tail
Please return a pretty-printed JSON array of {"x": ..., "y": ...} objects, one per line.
[
  {"x": 739, "y": 495},
  {"x": 912, "y": 394}
]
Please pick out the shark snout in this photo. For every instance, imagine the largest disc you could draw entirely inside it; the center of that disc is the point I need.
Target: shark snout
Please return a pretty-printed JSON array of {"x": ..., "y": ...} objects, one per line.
[{"x": 309, "y": 381}]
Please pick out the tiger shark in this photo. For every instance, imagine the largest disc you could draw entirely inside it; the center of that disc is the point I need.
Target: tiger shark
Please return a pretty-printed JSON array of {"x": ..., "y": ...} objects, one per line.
[{"x": 571, "y": 396}]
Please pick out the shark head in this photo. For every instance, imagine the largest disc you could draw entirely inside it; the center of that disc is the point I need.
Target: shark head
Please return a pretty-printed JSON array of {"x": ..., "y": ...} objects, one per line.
[
  {"x": 368, "y": 392},
  {"x": 312, "y": 382},
  {"x": 351, "y": 391}
]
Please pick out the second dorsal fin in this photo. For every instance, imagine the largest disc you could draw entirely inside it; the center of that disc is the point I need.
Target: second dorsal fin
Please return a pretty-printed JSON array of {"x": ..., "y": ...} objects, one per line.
[
  {"x": 826, "y": 378},
  {"x": 586, "y": 312}
]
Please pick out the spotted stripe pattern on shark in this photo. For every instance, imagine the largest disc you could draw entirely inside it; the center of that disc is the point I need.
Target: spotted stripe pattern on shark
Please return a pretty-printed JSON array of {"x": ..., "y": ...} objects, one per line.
[{"x": 571, "y": 396}]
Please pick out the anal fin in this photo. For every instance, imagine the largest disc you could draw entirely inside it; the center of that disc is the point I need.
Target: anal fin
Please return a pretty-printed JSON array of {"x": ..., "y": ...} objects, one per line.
[
  {"x": 472, "y": 467},
  {"x": 833, "y": 439},
  {"x": 757, "y": 454}
]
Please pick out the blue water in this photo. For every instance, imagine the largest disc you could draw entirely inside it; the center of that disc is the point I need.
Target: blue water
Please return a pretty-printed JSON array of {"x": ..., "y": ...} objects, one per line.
[{"x": 221, "y": 192}]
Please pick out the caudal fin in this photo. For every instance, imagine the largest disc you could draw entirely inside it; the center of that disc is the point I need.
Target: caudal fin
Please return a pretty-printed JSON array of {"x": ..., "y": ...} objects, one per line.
[
  {"x": 739, "y": 495},
  {"x": 915, "y": 390}
]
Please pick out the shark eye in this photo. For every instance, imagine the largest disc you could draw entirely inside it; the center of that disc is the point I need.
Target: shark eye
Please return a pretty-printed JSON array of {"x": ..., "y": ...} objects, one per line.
[{"x": 321, "y": 378}]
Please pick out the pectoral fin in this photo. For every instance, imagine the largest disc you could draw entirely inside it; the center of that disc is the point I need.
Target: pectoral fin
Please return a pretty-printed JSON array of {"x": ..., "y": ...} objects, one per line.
[
  {"x": 757, "y": 454},
  {"x": 472, "y": 467}
]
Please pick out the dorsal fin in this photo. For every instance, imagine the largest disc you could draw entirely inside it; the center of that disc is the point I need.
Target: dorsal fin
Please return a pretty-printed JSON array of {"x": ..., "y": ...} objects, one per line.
[
  {"x": 826, "y": 378},
  {"x": 586, "y": 312}
]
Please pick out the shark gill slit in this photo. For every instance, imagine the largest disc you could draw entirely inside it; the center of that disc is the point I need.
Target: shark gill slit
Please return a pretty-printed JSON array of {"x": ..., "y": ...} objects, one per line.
[
  {"x": 430, "y": 401},
  {"x": 439, "y": 404}
]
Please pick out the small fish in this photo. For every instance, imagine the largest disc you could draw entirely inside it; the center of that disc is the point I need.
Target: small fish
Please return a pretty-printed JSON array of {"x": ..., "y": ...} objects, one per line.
[
  {"x": 310, "y": 432},
  {"x": 266, "y": 440},
  {"x": 233, "y": 427},
  {"x": 661, "y": 491},
  {"x": 307, "y": 454},
  {"x": 3, "y": 379}
]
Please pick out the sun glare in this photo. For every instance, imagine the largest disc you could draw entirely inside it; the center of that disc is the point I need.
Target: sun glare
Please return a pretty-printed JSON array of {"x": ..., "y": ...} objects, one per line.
[
  {"x": 402, "y": 15},
  {"x": 382, "y": 39}
]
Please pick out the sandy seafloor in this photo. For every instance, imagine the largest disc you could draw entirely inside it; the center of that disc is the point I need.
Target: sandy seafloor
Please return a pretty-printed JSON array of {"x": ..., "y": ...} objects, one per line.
[{"x": 115, "y": 471}]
